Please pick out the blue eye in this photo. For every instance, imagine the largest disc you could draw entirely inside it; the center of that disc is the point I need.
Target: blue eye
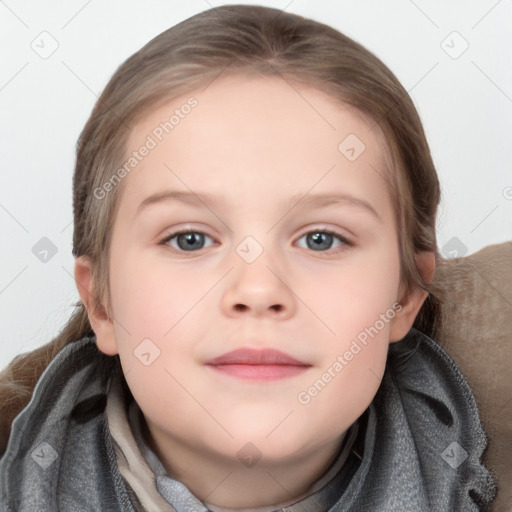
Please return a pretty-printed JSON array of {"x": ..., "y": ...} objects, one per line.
[
  {"x": 186, "y": 240},
  {"x": 322, "y": 239}
]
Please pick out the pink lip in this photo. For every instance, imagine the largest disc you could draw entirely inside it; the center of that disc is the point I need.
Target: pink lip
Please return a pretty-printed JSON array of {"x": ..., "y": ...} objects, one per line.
[{"x": 268, "y": 364}]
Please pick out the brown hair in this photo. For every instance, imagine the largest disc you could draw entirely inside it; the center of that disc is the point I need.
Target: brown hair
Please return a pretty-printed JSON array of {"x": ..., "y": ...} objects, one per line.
[{"x": 249, "y": 40}]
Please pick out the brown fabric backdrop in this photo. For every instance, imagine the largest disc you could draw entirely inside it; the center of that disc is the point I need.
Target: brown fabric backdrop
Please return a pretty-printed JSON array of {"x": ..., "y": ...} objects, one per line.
[{"x": 476, "y": 330}]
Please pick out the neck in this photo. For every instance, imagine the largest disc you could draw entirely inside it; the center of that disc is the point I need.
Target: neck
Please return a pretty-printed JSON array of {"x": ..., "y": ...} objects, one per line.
[{"x": 227, "y": 483}]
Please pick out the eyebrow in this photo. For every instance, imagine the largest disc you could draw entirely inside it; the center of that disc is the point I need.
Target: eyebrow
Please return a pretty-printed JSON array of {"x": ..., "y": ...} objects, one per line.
[{"x": 304, "y": 199}]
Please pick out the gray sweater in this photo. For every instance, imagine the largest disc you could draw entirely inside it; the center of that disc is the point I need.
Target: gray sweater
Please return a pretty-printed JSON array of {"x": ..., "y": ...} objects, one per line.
[{"x": 420, "y": 441}]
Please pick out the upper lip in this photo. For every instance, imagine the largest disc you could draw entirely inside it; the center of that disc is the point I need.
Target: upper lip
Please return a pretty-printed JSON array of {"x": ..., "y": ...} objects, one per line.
[{"x": 255, "y": 357}]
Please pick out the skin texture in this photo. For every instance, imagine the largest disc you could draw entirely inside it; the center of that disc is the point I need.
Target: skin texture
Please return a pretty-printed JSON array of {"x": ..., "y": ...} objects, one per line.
[{"x": 256, "y": 142}]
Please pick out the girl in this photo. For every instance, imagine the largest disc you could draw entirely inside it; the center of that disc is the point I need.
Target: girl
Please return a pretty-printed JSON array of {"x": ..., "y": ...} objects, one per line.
[{"x": 254, "y": 207}]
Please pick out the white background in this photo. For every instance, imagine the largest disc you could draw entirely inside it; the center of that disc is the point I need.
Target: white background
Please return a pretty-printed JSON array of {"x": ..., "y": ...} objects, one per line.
[{"x": 465, "y": 104}]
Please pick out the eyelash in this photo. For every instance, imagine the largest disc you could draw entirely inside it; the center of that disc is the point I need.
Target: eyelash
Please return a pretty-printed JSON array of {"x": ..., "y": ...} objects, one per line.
[{"x": 346, "y": 243}]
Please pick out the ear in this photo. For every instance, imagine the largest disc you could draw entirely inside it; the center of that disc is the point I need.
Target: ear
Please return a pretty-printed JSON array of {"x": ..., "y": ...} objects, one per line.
[
  {"x": 101, "y": 324},
  {"x": 411, "y": 303}
]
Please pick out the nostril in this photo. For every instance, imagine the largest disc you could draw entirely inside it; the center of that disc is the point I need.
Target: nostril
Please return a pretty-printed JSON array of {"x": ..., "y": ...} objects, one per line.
[{"x": 243, "y": 307}]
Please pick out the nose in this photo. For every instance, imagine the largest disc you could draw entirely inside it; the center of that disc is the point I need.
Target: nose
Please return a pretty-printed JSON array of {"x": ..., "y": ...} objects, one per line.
[{"x": 258, "y": 289}]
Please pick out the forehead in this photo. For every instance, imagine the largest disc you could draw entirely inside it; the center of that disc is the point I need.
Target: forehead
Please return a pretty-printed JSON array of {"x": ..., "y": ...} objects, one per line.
[
  {"x": 260, "y": 102},
  {"x": 242, "y": 131}
]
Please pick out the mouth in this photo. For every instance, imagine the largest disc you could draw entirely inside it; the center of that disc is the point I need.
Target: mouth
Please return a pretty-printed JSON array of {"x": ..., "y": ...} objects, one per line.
[{"x": 250, "y": 364}]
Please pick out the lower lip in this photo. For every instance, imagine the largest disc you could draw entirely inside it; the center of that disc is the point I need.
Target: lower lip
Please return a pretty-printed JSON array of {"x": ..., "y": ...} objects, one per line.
[{"x": 259, "y": 371}]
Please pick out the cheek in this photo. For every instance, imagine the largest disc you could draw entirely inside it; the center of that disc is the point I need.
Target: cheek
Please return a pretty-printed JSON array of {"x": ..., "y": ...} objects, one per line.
[
  {"x": 147, "y": 299},
  {"x": 158, "y": 318},
  {"x": 346, "y": 387},
  {"x": 366, "y": 296},
  {"x": 351, "y": 296},
  {"x": 153, "y": 315}
]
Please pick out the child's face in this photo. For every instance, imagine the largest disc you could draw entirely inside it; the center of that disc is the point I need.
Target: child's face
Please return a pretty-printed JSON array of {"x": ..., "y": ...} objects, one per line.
[{"x": 250, "y": 277}]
